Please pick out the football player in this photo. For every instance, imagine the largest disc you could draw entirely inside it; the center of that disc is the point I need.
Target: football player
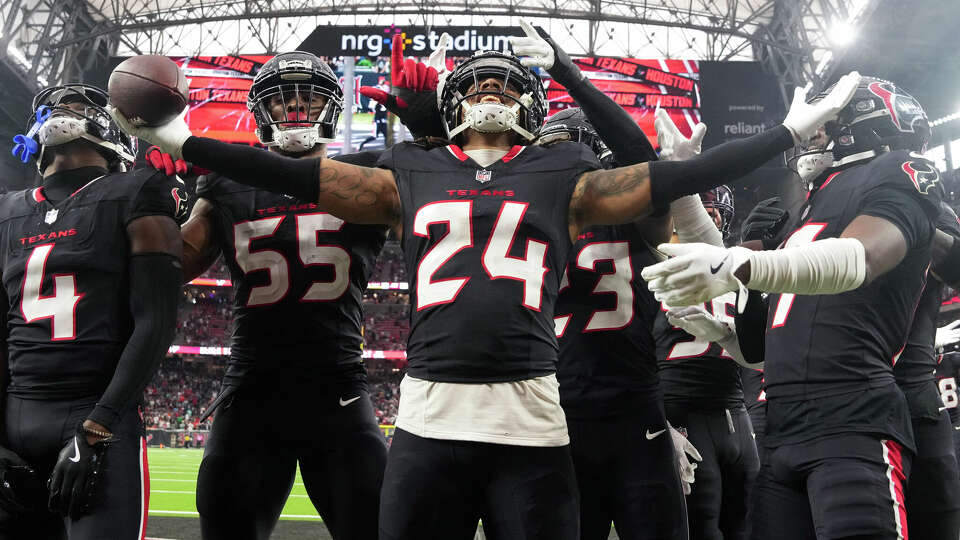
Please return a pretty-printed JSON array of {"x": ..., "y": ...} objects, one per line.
[
  {"x": 486, "y": 225},
  {"x": 838, "y": 435},
  {"x": 607, "y": 366},
  {"x": 703, "y": 398},
  {"x": 91, "y": 278},
  {"x": 948, "y": 373},
  {"x": 934, "y": 487}
]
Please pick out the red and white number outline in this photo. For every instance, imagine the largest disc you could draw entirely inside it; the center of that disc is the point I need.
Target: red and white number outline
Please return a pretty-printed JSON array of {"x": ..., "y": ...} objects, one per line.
[
  {"x": 611, "y": 280},
  {"x": 494, "y": 259},
  {"x": 242, "y": 253},
  {"x": 421, "y": 229},
  {"x": 325, "y": 222},
  {"x": 41, "y": 302},
  {"x": 716, "y": 307},
  {"x": 804, "y": 235}
]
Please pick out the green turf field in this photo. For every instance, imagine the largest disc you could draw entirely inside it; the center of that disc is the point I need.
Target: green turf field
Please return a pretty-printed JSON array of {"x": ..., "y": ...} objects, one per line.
[{"x": 173, "y": 486}]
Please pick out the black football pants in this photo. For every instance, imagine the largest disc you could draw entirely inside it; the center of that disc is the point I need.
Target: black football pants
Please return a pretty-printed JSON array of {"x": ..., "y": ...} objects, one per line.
[
  {"x": 627, "y": 474},
  {"x": 37, "y": 430},
  {"x": 933, "y": 489},
  {"x": 718, "y": 501},
  {"x": 250, "y": 462},
  {"x": 439, "y": 489},
  {"x": 831, "y": 488}
]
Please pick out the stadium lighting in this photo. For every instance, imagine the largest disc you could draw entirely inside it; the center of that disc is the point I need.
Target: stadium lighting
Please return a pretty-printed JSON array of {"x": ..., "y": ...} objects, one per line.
[
  {"x": 945, "y": 119},
  {"x": 842, "y": 33}
]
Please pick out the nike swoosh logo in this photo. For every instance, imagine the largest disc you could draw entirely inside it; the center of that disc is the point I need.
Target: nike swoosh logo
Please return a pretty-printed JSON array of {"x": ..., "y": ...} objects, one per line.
[
  {"x": 714, "y": 270},
  {"x": 349, "y": 401},
  {"x": 76, "y": 451},
  {"x": 655, "y": 434}
]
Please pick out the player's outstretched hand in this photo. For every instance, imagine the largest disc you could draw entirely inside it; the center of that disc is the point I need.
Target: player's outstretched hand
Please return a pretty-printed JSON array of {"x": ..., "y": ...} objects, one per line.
[
  {"x": 21, "y": 489},
  {"x": 673, "y": 145},
  {"x": 699, "y": 323},
  {"x": 413, "y": 98},
  {"x": 165, "y": 163},
  {"x": 538, "y": 49},
  {"x": 947, "y": 335},
  {"x": 685, "y": 451},
  {"x": 696, "y": 273},
  {"x": 803, "y": 119},
  {"x": 767, "y": 222},
  {"x": 74, "y": 480},
  {"x": 169, "y": 137}
]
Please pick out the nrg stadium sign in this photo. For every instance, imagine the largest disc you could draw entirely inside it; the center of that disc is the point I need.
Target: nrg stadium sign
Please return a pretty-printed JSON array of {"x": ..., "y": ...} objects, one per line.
[{"x": 419, "y": 40}]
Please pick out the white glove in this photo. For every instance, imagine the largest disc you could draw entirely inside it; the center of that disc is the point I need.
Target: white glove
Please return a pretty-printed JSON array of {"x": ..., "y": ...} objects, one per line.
[
  {"x": 947, "y": 335},
  {"x": 169, "y": 137},
  {"x": 683, "y": 448},
  {"x": 699, "y": 323},
  {"x": 803, "y": 119},
  {"x": 673, "y": 145},
  {"x": 533, "y": 49},
  {"x": 696, "y": 273}
]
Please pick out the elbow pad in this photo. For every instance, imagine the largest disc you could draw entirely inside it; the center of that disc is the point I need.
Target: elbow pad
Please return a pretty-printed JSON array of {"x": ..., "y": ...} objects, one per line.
[{"x": 829, "y": 266}]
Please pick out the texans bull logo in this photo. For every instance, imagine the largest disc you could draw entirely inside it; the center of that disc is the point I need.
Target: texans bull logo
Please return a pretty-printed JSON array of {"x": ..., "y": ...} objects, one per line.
[
  {"x": 904, "y": 110},
  {"x": 179, "y": 201},
  {"x": 923, "y": 175}
]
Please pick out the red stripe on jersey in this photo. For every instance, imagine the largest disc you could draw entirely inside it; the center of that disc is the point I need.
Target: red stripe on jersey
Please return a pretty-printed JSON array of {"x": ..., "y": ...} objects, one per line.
[
  {"x": 893, "y": 457},
  {"x": 457, "y": 152},
  {"x": 829, "y": 179},
  {"x": 144, "y": 489},
  {"x": 514, "y": 152},
  {"x": 38, "y": 195}
]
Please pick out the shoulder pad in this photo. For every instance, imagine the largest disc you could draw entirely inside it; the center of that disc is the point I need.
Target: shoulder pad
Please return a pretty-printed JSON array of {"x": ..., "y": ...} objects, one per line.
[{"x": 910, "y": 169}]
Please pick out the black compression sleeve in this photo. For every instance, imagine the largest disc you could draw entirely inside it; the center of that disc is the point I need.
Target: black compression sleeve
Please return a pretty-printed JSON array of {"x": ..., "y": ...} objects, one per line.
[
  {"x": 617, "y": 129},
  {"x": 155, "y": 280},
  {"x": 670, "y": 180},
  {"x": 257, "y": 168},
  {"x": 751, "y": 328}
]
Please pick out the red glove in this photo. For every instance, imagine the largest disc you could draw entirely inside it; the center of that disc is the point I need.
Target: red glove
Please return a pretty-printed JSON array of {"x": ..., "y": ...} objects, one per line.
[
  {"x": 413, "y": 98},
  {"x": 165, "y": 163}
]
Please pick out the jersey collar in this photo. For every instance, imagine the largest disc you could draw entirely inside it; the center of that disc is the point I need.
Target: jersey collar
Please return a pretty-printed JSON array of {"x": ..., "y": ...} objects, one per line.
[{"x": 463, "y": 157}]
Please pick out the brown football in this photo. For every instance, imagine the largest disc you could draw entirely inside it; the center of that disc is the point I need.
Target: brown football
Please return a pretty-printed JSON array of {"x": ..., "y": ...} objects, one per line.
[{"x": 149, "y": 90}]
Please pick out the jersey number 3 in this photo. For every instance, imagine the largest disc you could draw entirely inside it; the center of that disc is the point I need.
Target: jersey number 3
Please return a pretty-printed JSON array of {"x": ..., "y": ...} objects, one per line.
[
  {"x": 61, "y": 308},
  {"x": 310, "y": 252}
]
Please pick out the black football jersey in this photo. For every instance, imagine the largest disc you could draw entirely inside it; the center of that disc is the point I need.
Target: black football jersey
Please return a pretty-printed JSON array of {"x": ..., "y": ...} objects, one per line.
[
  {"x": 820, "y": 346},
  {"x": 65, "y": 273},
  {"x": 603, "y": 320},
  {"x": 485, "y": 249},
  {"x": 695, "y": 373},
  {"x": 753, "y": 394},
  {"x": 298, "y": 279},
  {"x": 947, "y": 375},
  {"x": 919, "y": 359}
]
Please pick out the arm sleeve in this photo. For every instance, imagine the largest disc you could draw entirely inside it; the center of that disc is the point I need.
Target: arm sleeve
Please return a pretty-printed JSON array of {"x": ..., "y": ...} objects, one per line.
[
  {"x": 903, "y": 209},
  {"x": 670, "y": 180},
  {"x": 254, "y": 167},
  {"x": 751, "y": 328},
  {"x": 693, "y": 223},
  {"x": 617, "y": 129},
  {"x": 155, "y": 280}
]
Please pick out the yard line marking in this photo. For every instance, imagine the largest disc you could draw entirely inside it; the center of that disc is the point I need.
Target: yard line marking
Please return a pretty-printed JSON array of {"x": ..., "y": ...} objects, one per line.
[
  {"x": 192, "y": 492},
  {"x": 186, "y": 513}
]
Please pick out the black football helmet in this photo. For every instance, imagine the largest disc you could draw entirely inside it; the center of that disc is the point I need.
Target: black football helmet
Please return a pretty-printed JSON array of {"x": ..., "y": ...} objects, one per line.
[
  {"x": 54, "y": 123},
  {"x": 526, "y": 114},
  {"x": 879, "y": 118},
  {"x": 721, "y": 199},
  {"x": 573, "y": 125},
  {"x": 299, "y": 76}
]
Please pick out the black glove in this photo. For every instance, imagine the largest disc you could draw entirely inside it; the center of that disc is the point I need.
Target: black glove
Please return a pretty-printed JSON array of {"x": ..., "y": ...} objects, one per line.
[
  {"x": 767, "y": 223},
  {"x": 21, "y": 489},
  {"x": 564, "y": 71},
  {"x": 73, "y": 483}
]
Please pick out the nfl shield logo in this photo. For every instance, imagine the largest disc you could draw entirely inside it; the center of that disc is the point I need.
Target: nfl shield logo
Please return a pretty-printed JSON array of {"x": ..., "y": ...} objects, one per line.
[
  {"x": 484, "y": 176},
  {"x": 51, "y": 216}
]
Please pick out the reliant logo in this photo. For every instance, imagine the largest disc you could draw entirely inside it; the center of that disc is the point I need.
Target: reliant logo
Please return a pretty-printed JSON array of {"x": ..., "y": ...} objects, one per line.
[
  {"x": 742, "y": 128},
  {"x": 465, "y": 40}
]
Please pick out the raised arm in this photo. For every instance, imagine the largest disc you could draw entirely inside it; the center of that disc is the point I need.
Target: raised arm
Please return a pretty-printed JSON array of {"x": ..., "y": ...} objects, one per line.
[{"x": 355, "y": 194}]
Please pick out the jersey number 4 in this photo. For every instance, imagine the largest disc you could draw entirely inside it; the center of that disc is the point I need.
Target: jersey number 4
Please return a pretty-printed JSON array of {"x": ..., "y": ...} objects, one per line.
[
  {"x": 60, "y": 308},
  {"x": 804, "y": 235},
  {"x": 310, "y": 251}
]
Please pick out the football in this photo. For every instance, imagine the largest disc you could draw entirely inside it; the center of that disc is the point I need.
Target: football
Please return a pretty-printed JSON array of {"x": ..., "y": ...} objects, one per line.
[{"x": 149, "y": 90}]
